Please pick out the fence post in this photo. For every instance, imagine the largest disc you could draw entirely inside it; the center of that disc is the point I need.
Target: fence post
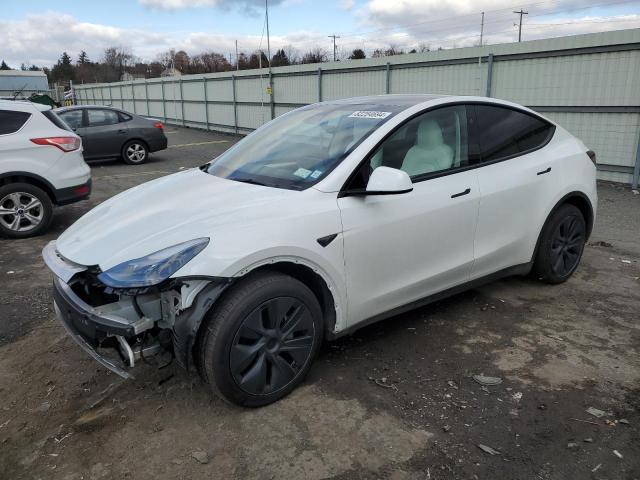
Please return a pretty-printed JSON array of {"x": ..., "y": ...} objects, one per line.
[
  {"x": 146, "y": 94},
  {"x": 235, "y": 104},
  {"x": 110, "y": 97},
  {"x": 388, "y": 79},
  {"x": 489, "y": 74},
  {"x": 133, "y": 96},
  {"x": 319, "y": 84},
  {"x": 121, "y": 97},
  {"x": 181, "y": 101},
  {"x": 206, "y": 102},
  {"x": 272, "y": 101},
  {"x": 164, "y": 107},
  {"x": 636, "y": 168}
]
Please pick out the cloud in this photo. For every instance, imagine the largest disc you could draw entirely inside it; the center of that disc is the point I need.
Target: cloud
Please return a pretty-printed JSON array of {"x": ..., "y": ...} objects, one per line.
[
  {"x": 249, "y": 5},
  {"x": 346, "y": 4},
  {"x": 40, "y": 39},
  {"x": 456, "y": 23}
]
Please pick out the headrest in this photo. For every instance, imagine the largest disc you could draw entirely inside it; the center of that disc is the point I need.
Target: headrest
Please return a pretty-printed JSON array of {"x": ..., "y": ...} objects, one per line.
[{"x": 429, "y": 134}]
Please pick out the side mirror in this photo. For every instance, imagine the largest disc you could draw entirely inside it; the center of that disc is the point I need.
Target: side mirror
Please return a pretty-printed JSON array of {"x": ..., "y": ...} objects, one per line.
[{"x": 388, "y": 181}]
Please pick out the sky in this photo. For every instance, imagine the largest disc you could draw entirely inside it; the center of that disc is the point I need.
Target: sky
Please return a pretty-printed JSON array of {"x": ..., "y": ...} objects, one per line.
[{"x": 38, "y": 31}]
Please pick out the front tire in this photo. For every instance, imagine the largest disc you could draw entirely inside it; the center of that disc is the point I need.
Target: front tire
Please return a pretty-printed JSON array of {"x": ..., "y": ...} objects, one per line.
[
  {"x": 260, "y": 341},
  {"x": 25, "y": 210},
  {"x": 135, "y": 152},
  {"x": 561, "y": 246}
]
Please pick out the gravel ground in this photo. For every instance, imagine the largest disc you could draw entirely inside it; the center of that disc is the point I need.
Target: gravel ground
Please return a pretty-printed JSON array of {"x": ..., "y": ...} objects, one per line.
[{"x": 396, "y": 400}]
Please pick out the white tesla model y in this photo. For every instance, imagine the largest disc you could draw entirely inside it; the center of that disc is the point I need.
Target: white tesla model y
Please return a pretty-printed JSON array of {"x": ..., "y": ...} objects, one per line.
[{"x": 327, "y": 218}]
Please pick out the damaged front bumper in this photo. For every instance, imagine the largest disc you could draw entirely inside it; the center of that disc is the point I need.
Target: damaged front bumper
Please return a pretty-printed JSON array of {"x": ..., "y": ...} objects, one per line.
[{"x": 123, "y": 327}]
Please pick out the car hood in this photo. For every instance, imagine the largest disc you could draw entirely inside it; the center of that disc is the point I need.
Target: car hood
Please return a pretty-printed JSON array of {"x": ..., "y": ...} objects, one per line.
[{"x": 162, "y": 213}]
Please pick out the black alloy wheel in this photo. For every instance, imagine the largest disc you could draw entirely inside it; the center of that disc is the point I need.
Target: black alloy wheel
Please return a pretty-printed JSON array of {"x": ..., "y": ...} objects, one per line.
[
  {"x": 561, "y": 245},
  {"x": 271, "y": 346},
  {"x": 567, "y": 244}
]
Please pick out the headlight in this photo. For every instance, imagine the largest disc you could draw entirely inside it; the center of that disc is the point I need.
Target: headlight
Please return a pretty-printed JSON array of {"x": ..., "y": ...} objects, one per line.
[{"x": 154, "y": 268}]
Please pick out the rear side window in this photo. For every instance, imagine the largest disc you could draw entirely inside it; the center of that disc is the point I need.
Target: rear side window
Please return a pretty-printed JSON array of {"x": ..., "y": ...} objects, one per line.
[
  {"x": 505, "y": 133},
  {"x": 98, "y": 118},
  {"x": 55, "y": 119},
  {"x": 124, "y": 117},
  {"x": 11, "y": 121}
]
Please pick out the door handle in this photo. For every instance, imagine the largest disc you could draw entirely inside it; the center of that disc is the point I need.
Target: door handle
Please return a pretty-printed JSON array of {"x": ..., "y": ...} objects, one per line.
[
  {"x": 544, "y": 171},
  {"x": 122, "y": 131},
  {"x": 466, "y": 192}
]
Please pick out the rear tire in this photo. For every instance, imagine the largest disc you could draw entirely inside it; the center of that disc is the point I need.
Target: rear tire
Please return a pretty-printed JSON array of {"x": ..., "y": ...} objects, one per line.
[
  {"x": 260, "y": 340},
  {"x": 25, "y": 210},
  {"x": 561, "y": 245},
  {"x": 135, "y": 152}
]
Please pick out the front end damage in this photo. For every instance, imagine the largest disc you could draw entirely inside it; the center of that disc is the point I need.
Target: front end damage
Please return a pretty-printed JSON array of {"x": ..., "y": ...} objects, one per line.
[{"x": 120, "y": 328}]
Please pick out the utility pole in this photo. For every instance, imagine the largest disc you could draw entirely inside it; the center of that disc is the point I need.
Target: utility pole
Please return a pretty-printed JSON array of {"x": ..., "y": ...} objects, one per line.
[
  {"x": 266, "y": 12},
  {"x": 521, "y": 13},
  {"x": 237, "y": 62},
  {"x": 334, "y": 45},
  {"x": 481, "y": 28}
]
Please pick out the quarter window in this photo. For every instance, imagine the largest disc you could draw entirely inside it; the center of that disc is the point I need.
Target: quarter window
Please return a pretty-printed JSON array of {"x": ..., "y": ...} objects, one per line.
[
  {"x": 504, "y": 133},
  {"x": 11, "y": 121},
  {"x": 97, "y": 118}
]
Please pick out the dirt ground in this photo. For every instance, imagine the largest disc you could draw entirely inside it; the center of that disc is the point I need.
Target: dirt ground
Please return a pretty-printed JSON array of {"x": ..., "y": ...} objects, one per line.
[{"x": 396, "y": 400}]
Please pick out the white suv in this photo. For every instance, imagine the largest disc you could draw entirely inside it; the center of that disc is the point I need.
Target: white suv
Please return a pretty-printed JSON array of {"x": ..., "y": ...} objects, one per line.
[
  {"x": 41, "y": 165},
  {"x": 329, "y": 217}
]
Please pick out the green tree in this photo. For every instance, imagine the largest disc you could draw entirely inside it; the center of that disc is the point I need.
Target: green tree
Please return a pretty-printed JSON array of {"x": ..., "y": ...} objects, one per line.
[
  {"x": 4, "y": 66},
  {"x": 83, "y": 58},
  {"x": 280, "y": 59},
  {"x": 63, "y": 70},
  {"x": 357, "y": 54}
]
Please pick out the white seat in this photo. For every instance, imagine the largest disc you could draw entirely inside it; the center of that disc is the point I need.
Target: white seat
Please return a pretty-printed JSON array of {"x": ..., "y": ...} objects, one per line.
[{"x": 430, "y": 153}]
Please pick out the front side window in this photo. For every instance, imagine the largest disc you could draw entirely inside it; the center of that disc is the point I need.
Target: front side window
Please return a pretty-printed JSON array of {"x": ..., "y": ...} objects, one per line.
[
  {"x": 298, "y": 149},
  {"x": 73, "y": 118},
  {"x": 98, "y": 118},
  {"x": 430, "y": 144},
  {"x": 12, "y": 121},
  {"x": 504, "y": 133}
]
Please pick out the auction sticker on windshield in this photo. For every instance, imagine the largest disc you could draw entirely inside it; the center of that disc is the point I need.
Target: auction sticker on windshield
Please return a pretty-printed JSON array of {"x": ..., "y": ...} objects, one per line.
[{"x": 369, "y": 114}]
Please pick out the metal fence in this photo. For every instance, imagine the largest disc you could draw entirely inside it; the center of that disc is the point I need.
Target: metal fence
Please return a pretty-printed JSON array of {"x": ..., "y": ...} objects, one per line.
[{"x": 590, "y": 84}]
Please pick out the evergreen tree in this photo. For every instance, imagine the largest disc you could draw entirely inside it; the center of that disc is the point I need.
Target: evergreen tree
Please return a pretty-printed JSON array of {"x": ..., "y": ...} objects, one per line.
[{"x": 4, "y": 66}]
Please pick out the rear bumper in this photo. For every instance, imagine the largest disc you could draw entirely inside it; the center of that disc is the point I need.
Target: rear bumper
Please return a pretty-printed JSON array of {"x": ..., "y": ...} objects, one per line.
[
  {"x": 158, "y": 143},
  {"x": 65, "y": 196}
]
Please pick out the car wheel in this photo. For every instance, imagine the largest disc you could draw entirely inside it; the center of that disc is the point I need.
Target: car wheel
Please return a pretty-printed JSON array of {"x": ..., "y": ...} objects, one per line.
[
  {"x": 135, "y": 152},
  {"x": 561, "y": 245},
  {"x": 261, "y": 339},
  {"x": 25, "y": 210}
]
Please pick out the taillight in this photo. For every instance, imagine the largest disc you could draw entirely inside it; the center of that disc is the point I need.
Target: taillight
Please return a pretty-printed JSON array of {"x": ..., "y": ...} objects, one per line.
[
  {"x": 592, "y": 156},
  {"x": 159, "y": 125},
  {"x": 66, "y": 144}
]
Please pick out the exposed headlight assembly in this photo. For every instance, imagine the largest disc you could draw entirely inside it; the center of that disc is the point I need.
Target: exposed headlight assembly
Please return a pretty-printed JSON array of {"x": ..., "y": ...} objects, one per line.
[{"x": 153, "y": 268}]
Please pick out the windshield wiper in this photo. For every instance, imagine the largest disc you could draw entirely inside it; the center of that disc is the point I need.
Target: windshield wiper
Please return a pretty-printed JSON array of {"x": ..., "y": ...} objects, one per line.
[{"x": 249, "y": 180}]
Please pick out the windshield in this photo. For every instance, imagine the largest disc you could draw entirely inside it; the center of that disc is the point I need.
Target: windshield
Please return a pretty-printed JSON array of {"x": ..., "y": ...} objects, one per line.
[{"x": 298, "y": 149}]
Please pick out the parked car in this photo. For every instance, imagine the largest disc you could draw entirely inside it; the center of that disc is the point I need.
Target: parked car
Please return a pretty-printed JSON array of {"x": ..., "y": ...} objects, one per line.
[
  {"x": 108, "y": 132},
  {"x": 41, "y": 165},
  {"x": 328, "y": 218}
]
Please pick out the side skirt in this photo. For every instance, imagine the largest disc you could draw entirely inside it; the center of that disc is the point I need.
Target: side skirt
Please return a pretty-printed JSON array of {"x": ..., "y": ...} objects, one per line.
[{"x": 517, "y": 270}]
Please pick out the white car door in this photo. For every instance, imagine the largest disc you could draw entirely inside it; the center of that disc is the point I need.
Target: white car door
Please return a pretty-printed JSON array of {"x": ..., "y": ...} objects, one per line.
[
  {"x": 517, "y": 178},
  {"x": 401, "y": 248}
]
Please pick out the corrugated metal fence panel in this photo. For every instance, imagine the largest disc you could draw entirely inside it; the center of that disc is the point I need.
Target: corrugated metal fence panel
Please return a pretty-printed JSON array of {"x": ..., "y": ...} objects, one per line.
[
  {"x": 594, "y": 80},
  {"x": 352, "y": 84},
  {"x": 465, "y": 79},
  {"x": 590, "y": 80},
  {"x": 612, "y": 136}
]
